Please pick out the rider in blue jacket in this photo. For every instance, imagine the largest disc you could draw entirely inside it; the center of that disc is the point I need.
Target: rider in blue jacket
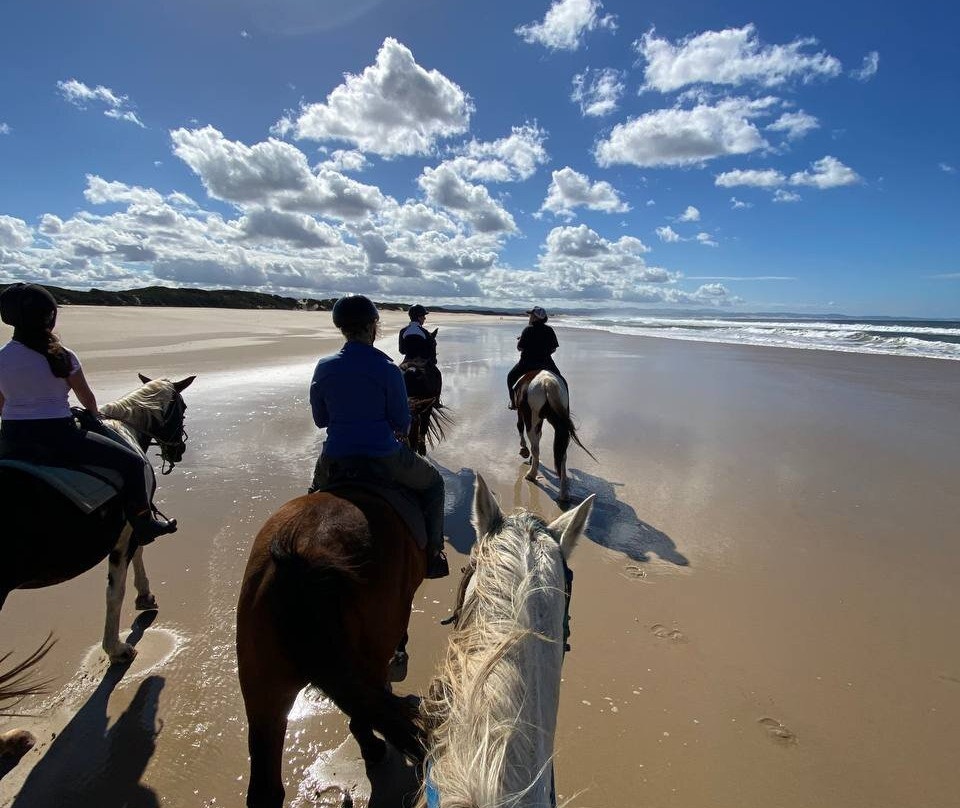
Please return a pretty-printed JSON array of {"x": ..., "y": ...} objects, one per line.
[{"x": 358, "y": 396}]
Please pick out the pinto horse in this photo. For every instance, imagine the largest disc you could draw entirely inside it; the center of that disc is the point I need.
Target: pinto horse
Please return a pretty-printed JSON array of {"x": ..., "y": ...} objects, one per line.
[
  {"x": 491, "y": 711},
  {"x": 325, "y": 601},
  {"x": 540, "y": 396},
  {"x": 424, "y": 384},
  {"x": 50, "y": 540}
]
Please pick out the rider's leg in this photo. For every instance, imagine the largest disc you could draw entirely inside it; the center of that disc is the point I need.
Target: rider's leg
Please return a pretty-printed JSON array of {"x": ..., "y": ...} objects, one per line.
[
  {"x": 411, "y": 471},
  {"x": 321, "y": 475},
  {"x": 512, "y": 378}
]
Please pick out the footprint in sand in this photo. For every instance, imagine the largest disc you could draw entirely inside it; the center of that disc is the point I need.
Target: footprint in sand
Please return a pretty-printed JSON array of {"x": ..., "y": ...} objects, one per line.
[
  {"x": 668, "y": 633},
  {"x": 777, "y": 731}
]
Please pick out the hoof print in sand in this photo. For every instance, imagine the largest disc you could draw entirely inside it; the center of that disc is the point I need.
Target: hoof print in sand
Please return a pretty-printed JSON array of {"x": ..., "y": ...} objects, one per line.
[
  {"x": 665, "y": 633},
  {"x": 633, "y": 571},
  {"x": 777, "y": 731}
]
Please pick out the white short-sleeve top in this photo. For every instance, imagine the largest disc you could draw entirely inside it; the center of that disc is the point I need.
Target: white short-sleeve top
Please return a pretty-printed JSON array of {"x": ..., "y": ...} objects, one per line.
[{"x": 29, "y": 388}]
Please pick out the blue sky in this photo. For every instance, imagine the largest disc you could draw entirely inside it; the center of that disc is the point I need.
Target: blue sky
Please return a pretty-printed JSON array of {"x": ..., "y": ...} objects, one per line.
[{"x": 754, "y": 156}]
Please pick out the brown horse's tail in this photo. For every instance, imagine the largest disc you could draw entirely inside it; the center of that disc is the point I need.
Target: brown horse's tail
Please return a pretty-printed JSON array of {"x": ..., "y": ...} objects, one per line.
[
  {"x": 20, "y": 681},
  {"x": 557, "y": 414},
  {"x": 312, "y": 578}
]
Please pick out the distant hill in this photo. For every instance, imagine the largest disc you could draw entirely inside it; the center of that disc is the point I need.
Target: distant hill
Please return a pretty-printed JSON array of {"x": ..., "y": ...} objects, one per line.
[{"x": 212, "y": 299}]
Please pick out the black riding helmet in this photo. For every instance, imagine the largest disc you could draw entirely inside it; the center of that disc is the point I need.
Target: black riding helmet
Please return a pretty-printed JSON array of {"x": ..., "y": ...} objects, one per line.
[
  {"x": 354, "y": 311},
  {"x": 416, "y": 311},
  {"x": 26, "y": 305}
]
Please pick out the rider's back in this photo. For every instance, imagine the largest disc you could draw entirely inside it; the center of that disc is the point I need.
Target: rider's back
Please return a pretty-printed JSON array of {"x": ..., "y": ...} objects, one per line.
[
  {"x": 358, "y": 394},
  {"x": 30, "y": 390}
]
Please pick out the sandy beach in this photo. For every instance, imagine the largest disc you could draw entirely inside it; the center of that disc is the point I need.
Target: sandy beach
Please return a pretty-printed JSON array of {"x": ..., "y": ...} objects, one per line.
[{"x": 766, "y": 613}]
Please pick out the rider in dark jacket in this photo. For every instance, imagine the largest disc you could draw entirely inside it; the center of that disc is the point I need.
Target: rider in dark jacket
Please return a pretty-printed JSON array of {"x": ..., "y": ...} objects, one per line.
[
  {"x": 358, "y": 396},
  {"x": 414, "y": 341},
  {"x": 536, "y": 345}
]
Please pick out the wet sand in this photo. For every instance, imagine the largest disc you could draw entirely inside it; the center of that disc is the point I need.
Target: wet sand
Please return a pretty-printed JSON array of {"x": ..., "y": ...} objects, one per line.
[{"x": 766, "y": 613}]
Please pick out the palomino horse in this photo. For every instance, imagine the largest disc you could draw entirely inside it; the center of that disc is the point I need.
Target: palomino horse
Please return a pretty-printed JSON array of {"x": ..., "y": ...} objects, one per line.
[
  {"x": 325, "y": 601},
  {"x": 49, "y": 540},
  {"x": 424, "y": 384},
  {"x": 540, "y": 396},
  {"x": 492, "y": 709}
]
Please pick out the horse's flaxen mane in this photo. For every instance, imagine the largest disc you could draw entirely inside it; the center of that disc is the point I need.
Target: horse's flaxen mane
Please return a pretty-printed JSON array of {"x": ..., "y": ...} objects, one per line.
[
  {"x": 143, "y": 406},
  {"x": 476, "y": 701}
]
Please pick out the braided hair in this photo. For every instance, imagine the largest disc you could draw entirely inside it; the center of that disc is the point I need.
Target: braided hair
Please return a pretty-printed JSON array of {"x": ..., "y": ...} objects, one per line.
[{"x": 32, "y": 311}]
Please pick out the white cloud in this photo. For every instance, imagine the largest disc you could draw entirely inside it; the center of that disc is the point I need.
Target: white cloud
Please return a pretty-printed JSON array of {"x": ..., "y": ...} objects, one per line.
[
  {"x": 394, "y": 107},
  {"x": 244, "y": 34},
  {"x": 733, "y": 56},
  {"x": 668, "y": 234},
  {"x": 261, "y": 224},
  {"x": 570, "y": 189},
  {"x": 705, "y": 239},
  {"x": 597, "y": 91},
  {"x": 752, "y": 178},
  {"x": 691, "y": 214},
  {"x": 5, "y": 128},
  {"x": 869, "y": 68},
  {"x": 679, "y": 137},
  {"x": 14, "y": 233},
  {"x": 271, "y": 173},
  {"x": 509, "y": 159},
  {"x": 828, "y": 172},
  {"x": 794, "y": 124},
  {"x": 80, "y": 95},
  {"x": 346, "y": 160},
  {"x": 739, "y": 204},
  {"x": 565, "y": 23},
  {"x": 473, "y": 203},
  {"x": 100, "y": 192},
  {"x": 947, "y": 168},
  {"x": 780, "y": 195}
]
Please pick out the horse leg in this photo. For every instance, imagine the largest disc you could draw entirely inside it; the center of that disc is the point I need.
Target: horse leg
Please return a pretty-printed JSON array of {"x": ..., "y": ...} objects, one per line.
[
  {"x": 400, "y": 660},
  {"x": 267, "y": 729},
  {"x": 372, "y": 748},
  {"x": 534, "y": 434},
  {"x": 524, "y": 451},
  {"x": 146, "y": 601},
  {"x": 119, "y": 561}
]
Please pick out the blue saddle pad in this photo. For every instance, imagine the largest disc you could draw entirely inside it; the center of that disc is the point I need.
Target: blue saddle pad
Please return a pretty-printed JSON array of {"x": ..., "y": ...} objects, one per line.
[{"x": 87, "y": 490}]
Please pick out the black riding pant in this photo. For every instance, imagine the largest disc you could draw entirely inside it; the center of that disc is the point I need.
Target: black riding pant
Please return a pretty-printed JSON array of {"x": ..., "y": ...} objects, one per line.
[
  {"x": 525, "y": 366},
  {"x": 58, "y": 442}
]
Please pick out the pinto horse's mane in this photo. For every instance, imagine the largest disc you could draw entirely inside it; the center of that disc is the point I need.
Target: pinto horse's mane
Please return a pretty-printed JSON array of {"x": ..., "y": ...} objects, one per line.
[{"x": 476, "y": 703}]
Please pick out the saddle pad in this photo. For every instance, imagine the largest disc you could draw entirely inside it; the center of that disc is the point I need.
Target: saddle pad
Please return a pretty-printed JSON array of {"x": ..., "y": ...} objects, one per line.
[
  {"x": 405, "y": 506},
  {"x": 88, "y": 491}
]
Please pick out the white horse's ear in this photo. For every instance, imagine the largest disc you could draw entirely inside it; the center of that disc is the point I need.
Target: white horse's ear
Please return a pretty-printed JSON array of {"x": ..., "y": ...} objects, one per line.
[
  {"x": 144, "y": 379},
  {"x": 569, "y": 526},
  {"x": 487, "y": 516},
  {"x": 183, "y": 385}
]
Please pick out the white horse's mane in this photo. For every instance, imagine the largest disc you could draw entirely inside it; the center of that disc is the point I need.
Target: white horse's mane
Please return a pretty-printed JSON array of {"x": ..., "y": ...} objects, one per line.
[
  {"x": 479, "y": 742},
  {"x": 139, "y": 410}
]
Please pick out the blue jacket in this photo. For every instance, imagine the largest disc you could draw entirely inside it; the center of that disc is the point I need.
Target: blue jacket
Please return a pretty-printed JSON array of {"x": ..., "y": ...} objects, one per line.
[{"x": 359, "y": 396}]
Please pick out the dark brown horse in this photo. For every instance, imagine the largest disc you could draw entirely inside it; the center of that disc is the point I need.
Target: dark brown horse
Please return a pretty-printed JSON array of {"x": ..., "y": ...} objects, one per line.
[
  {"x": 424, "y": 383},
  {"x": 50, "y": 540},
  {"x": 325, "y": 601}
]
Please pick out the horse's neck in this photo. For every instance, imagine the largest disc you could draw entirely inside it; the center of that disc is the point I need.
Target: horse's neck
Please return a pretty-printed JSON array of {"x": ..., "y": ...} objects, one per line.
[{"x": 131, "y": 435}]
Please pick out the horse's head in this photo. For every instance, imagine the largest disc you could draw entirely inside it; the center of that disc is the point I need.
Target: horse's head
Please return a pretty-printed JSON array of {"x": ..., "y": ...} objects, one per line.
[{"x": 168, "y": 431}]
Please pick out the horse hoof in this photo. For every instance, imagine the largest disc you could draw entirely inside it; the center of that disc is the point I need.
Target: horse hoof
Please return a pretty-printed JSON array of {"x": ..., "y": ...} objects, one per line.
[
  {"x": 374, "y": 752},
  {"x": 398, "y": 667},
  {"x": 123, "y": 655},
  {"x": 524, "y": 452},
  {"x": 16, "y": 743},
  {"x": 532, "y": 476},
  {"x": 146, "y": 603}
]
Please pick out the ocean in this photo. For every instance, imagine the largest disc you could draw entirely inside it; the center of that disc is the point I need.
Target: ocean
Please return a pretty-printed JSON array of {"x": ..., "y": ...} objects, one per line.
[{"x": 933, "y": 339}]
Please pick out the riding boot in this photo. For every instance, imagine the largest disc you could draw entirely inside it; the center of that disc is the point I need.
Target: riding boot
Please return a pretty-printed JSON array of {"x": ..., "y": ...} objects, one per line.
[
  {"x": 437, "y": 566},
  {"x": 147, "y": 525}
]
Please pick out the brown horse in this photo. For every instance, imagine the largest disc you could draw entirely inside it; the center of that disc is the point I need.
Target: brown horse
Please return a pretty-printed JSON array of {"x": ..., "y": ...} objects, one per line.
[
  {"x": 325, "y": 601},
  {"x": 424, "y": 384}
]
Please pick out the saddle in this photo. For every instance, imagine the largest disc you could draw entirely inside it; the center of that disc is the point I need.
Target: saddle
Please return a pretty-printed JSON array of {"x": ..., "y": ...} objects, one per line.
[
  {"x": 88, "y": 487},
  {"x": 360, "y": 473}
]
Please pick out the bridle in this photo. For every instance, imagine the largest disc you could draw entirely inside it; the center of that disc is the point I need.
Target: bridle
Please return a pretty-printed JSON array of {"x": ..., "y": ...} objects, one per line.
[{"x": 170, "y": 436}]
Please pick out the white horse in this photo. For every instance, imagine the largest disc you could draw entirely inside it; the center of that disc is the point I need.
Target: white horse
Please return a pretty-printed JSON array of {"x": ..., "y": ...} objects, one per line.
[
  {"x": 541, "y": 396},
  {"x": 491, "y": 711}
]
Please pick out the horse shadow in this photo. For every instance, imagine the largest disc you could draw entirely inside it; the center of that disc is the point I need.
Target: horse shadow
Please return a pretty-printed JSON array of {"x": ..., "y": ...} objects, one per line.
[
  {"x": 458, "y": 508},
  {"x": 614, "y": 524},
  {"x": 89, "y": 764}
]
